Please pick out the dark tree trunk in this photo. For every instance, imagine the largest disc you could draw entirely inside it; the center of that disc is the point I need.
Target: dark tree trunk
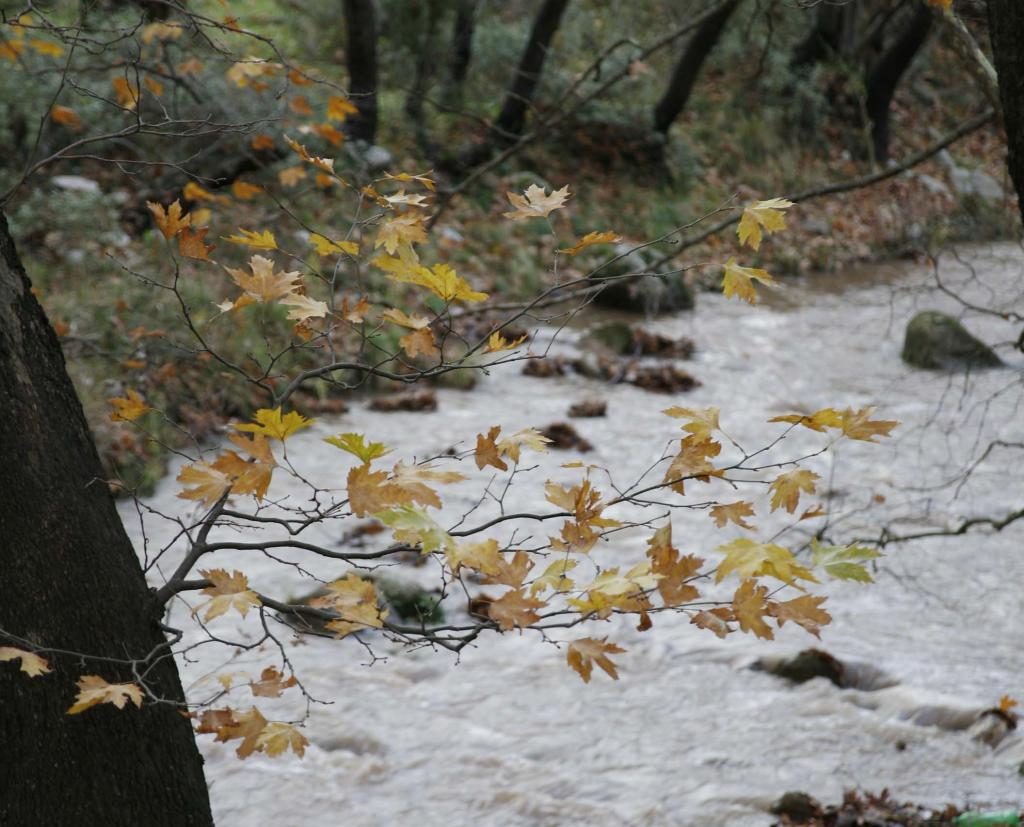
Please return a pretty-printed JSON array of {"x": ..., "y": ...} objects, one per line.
[
  {"x": 684, "y": 76},
  {"x": 461, "y": 51},
  {"x": 887, "y": 73},
  {"x": 361, "y": 25},
  {"x": 1006, "y": 29},
  {"x": 428, "y": 13},
  {"x": 832, "y": 34},
  {"x": 512, "y": 118},
  {"x": 71, "y": 581}
]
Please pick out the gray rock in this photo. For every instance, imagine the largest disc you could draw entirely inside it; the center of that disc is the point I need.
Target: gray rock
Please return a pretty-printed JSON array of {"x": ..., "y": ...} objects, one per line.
[
  {"x": 377, "y": 157},
  {"x": 75, "y": 183},
  {"x": 933, "y": 185},
  {"x": 977, "y": 183},
  {"x": 935, "y": 341},
  {"x": 634, "y": 286}
]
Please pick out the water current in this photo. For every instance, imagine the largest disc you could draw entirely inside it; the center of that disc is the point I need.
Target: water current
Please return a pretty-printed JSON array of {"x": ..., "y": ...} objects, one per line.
[{"x": 508, "y": 735}]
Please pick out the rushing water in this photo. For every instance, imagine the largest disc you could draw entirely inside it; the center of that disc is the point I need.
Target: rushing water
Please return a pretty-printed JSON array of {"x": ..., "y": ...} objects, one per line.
[{"x": 689, "y": 735}]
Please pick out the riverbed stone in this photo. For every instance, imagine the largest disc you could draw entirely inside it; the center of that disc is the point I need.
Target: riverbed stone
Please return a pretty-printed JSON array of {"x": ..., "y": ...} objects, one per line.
[
  {"x": 635, "y": 285},
  {"x": 935, "y": 341}
]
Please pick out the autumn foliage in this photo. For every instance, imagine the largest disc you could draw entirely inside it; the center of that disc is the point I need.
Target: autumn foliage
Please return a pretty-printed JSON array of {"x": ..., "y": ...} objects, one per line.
[{"x": 415, "y": 330}]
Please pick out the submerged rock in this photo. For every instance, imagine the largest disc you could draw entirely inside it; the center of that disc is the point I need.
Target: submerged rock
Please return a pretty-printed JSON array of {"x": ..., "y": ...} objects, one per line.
[
  {"x": 588, "y": 408},
  {"x": 797, "y": 808},
  {"x": 935, "y": 341},
  {"x": 418, "y": 401},
  {"x": 565, "y": 437},
  {"x": 817, "y": 663}
]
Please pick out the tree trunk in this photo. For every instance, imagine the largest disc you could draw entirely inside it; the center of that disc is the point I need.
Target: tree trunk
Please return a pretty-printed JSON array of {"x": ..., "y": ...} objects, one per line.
[
  {"x": 461, "y": 51},
  {"x": 684, "y": 76},
  {"x": 429, "y": 12},
  {"x": 887, "y": 73},
  {"x": 512, "y": 118},
  {"x": 832, "y": 34},
  {"x": 1006, "y": 29},
  {"x": 71, "y": 584},
  {"x": 361, "y": 25}
]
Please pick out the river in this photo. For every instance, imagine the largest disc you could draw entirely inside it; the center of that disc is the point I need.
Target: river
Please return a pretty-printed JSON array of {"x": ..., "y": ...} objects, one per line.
[{"x": 508, "y": 735}]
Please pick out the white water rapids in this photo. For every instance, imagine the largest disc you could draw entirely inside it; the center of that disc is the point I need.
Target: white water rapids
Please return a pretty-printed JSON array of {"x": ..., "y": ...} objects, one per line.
[{"x": 510, "y": 736}]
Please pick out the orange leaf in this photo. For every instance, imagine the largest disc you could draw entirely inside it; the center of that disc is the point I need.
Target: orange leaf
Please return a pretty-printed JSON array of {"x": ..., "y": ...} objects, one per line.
[{"x": 584, "y": 653}]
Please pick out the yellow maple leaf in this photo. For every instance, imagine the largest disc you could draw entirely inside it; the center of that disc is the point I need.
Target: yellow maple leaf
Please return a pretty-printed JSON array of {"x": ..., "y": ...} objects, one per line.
[
  {"x": 514, "y": 608},
  {"x": 226, "y": 591},
  {"x": 127, "y": 93},
  {"x": 583, "y": 654},
  {"x": 66, "y": 117},
  {"x": 496, "y": 342},
  {"x": 46, "y": 47},
  {"x": 370, "y": 491},
  {"x": 244, "y": 191},
  {"x": 786, "y": 488},
  {"x": 423, "y": 178},
  {"x": 420, "y": 342},
  {"x": 277, "y": 737},
  {"x": 738, "y": 281},
  {"x": 413, "y": 480},
  {"x": 859, "y": 424},
  {"x": 170, "y": 221},
  {"x": 483, "y": 556},
  {"x": 487, "y": 452},
  {"x": 818, "y": 421},
  {"x": 699, "y": 421},
  {"x": 303, "y": 307},
  {"x": 357, "y": 445},
  {"x": 230, "y": 724},
  {"x": 749, "y": 606},
  {"x": 265, "y": 284},
  {"x": 692, "y": 462},
  {"x": 250, "y": 476},
  {"x": 590, "y": 239},
  {"x": 732, "y": 513},
  {"x": 128, "y": 409},
  {"x": 271, "y": 423},
  {"x": 31, "y": 664},
  {"x": 192, "y": 244},
  {"x": 203, "y": 482},
  {"x": 766, "y": 216},
  {"x": 404, "y": 228},
  {"x": 326, "y": 247},
  {"x": 339, "y": 108},
  {"x": 400, "y": 317},
  {"x": 527, "y": 437},
  {"x": 257, "y": 239},
  {"x": 270, "y": 685},
  {"x": 355, "y": 601},
  {"x": 291, "y": 176},
  {"x": 555, "y": 577},
  {"x": 805, "y": 611},
  {"x": 674, "y": 571},
  {"x": 535, "y": 202},
  {"x": 93, "y": 690},
  {"x": 748, "y": 558}
]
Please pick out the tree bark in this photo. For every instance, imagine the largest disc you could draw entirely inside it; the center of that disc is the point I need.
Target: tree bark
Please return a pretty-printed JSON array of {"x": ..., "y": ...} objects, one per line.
[
  {"x": 361, "y": 26},
  {"x": 832, "y": 34},
  {"x": 887, "y": 73},
  {"x": 685, "y": 74},
  {"x": 71, "y": 582},
  {"x": 461, "y": 51},
  {"x": 512, "y": 119},
  {"x": 1006, "y": 29}
]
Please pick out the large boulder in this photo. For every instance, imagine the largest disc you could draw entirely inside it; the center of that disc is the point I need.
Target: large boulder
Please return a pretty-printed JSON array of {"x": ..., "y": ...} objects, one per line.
[
  {"x": 634, "y": 285},
  {"x": 936, "y": 341}
]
